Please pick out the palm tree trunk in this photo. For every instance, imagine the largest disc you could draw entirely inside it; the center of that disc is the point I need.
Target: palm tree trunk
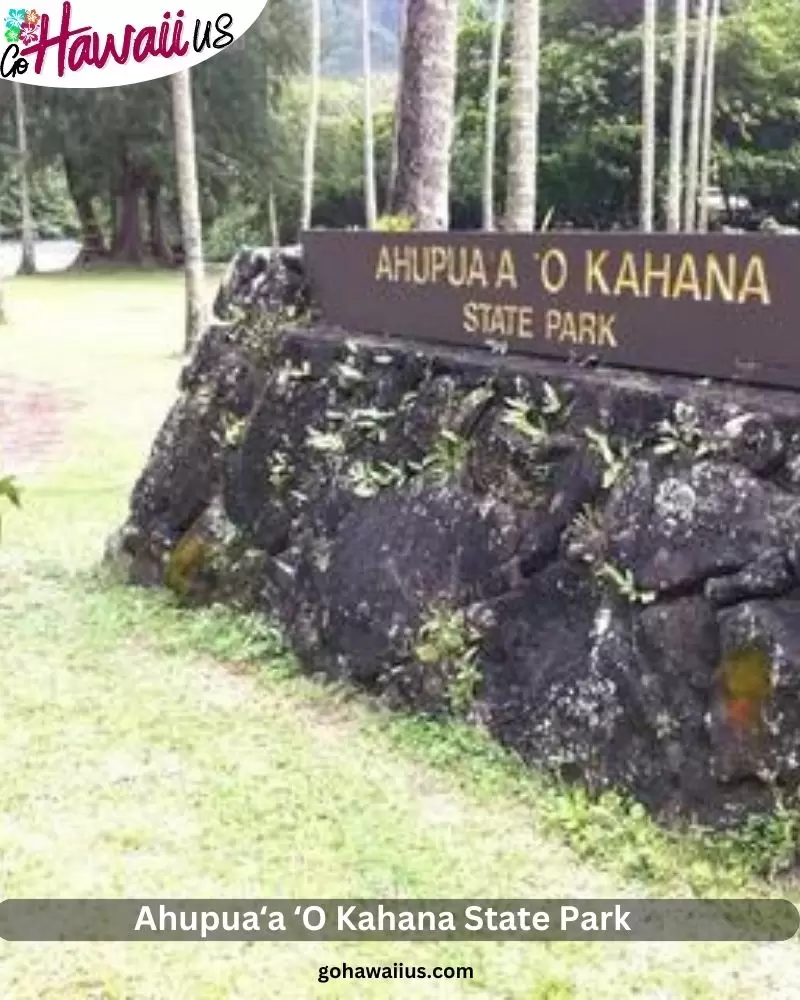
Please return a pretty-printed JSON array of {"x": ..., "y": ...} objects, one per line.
[
  {"x": 371, "y": 207},
  {"x": 708, "y": 114},
  {"x": 274, "y": 228},
  {"x": 491, "y": 115},
  {"x": 523, "y": 152},
  {"x": 425, "y": 133},
  {"x": 647, "y": 193},
  {"x": 677, "y": 119},
  {"x": 392, "y": 179},
  {"x": 189, "y": 194},
  {"x": 28, "y": 261},
  {"x": 310, "y": 151},
  {"x": 693, "y": 154}
]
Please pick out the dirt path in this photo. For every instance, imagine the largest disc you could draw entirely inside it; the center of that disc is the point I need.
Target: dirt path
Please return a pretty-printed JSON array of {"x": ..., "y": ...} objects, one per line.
[{"x": 33, "y": 416}]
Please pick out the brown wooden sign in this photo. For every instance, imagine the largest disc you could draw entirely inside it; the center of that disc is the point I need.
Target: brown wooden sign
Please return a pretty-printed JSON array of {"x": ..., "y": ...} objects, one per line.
[{"x": 716, "y": 306}]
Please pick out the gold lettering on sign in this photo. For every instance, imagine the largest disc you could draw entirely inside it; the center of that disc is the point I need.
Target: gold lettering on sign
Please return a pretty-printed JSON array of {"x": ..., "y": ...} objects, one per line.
[
  {"x": 383, "y": 271},
  {"x": 587, "y": 329},
  {"x": 723, "y": 285},
  {"x": 594, "y": 276},
  {"x": 627, "y": 277},
  {"x": 755, "y": 282},
  {"x": 430, "y": 265},
  {"x": 506, "y": 270},
  {"x": 686, "y": 279},
  {"x": 653, "y": 273},
  {"x": 438, "y": 263},
  {"x": 492, "y": 320},
  {"x": 477, "y": 269},
  {"x": 702, "y": 277},
  {"x": 554, "y": 277}
]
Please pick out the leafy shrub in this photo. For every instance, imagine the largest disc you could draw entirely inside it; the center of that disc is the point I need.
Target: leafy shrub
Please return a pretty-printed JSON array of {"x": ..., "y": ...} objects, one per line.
[
  {"x": 395, "y": 223},
  {"x": 239, "y": 226}
]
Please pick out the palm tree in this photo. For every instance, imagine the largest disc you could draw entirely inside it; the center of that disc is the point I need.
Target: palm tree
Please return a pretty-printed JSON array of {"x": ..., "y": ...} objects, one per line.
[
  {"x": 677, "y": 119},
  {"x": 369, "y": 137},
  {"x": 402, "y": 11},
  {"x": 523, "y": 150},
  {"x": 425, "y": 127},
  {"x": 274, "y": 228},
  {"x": 693, "y": 152},
  {"x": 491, "y": 114},
  {"x": 28, "y": 261},
  {"x": 647, "y": 195},
  {"x": 310, "y": 151},
  {"x": 708, "y": 114},
  {"x": 189, "y": 195}
]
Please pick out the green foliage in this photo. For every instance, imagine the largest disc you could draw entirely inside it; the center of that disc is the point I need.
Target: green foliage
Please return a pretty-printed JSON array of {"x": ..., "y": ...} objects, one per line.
[
  {"x": 535, "y": 421},
  {"x": 237, "y": 226},
  {"x": 624, "y": 583},
  {"x": 614, "y": 459},
  {"x": 446, "y": 458},
  {"x": 590, "y": 110},
  {"x": 447, "y": 641},
  {"x": 51, "y": 206},
  {"x": 367, "y": 479},
  {"x": 395, "y": 223},
  {"x": 327, "y": 442},
  {"x": 586, "y": 536},
  {"x": 682, "y": 433},
  {"x": 9, "y": 494}
]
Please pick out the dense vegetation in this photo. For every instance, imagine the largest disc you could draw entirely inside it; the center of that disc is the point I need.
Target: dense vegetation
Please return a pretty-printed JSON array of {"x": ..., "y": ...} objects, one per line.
[{"x": 103, "y": 163}]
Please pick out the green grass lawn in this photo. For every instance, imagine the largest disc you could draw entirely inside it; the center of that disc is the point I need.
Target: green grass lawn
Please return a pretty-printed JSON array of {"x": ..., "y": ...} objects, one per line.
[{"x": 153, "y": 752}]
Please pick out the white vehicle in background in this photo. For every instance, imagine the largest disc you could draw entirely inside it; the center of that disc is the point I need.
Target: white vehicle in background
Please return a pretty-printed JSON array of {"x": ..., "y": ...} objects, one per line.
[{"x": 718, "y": 204}]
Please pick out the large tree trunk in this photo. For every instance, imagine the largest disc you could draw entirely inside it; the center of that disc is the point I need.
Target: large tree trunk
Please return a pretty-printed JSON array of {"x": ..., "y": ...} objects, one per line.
[
  {"x": 93, "y": 243},
  {"x": 523, "y": 150},
  {"x": 188, "y": 189},
  {"x": 490, "y": 141},
  {"x": 425, "y": 134},
  {"x": 310, "y": 150},
  {"x": 370, "y": 200},
  {"x": 127, "y": 246},
  {"x": 128, "y": 238},
  {"x": 695, "y": 118},
  {"x": 28, "y": 260},
  {"x": 677, "y": 120},
  {"x": 157, "y": 246},
  {"x": 113, "y": 211},
  {"x": 648, "y": 178},
  {"x": 708, "y": 115}
]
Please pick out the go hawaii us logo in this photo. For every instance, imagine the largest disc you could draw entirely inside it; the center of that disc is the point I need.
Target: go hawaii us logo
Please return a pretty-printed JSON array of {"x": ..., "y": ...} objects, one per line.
[{"x": 92, "y": 43}]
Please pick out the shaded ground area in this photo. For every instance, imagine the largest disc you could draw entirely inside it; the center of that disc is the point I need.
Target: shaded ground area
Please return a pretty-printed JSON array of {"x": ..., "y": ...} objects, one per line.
[{"x": 151, "y": 752}]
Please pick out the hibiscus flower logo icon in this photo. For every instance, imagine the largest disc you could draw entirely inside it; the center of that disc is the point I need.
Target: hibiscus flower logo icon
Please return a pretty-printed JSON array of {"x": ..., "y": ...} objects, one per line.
[{"x": 21, "y": 25}]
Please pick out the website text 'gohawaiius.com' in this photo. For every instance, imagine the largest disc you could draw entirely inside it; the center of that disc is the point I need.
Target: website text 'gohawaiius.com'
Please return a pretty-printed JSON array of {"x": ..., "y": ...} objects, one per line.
[{"x": 397, "y": 970}]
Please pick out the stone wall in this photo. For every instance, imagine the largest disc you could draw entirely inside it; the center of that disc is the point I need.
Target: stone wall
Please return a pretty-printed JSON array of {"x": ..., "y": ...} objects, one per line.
[{"x": 599, "y": 568}]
